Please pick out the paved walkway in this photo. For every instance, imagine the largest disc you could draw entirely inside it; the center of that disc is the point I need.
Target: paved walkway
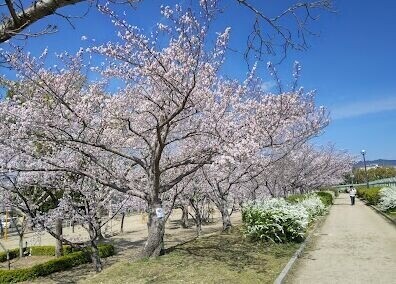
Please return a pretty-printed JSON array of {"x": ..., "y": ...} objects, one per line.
[{"x": 354, "y": 245}]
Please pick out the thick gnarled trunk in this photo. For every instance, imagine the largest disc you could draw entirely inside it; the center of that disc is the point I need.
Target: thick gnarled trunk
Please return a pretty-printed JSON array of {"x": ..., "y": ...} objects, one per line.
[
  {"x": 184, "y": 218},
  {"x": 225, "y": 215},
  {"x": 154, "y": 245}
]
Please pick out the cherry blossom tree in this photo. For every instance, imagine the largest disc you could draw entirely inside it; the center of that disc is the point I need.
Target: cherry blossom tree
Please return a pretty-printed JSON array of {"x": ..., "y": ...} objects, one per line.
[
  {"x": 270, "y": 127},
  {"x": 171, "y": 116},
  {"x": 142, "y": 140},
  {"x": 306, "y": 169},
  {"x": 195, "y": 196},
  {"x": 273, "y": 31},
  {"x": 46, "y": 200}
]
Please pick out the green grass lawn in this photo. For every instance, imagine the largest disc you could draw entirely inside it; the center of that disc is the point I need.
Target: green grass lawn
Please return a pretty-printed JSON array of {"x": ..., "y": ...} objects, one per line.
[{"x": 220, "y": 258}]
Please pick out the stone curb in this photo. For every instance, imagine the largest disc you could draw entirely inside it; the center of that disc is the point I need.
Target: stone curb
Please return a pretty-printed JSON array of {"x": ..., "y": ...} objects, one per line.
[
  {"x": 282, "y": 276},
  {"x": 380, "y": 212}
]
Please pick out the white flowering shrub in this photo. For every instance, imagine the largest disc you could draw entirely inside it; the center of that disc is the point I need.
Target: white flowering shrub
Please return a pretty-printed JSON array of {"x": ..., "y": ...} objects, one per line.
[
  {"x": 314, "y": 206},
  {"x": 387, "y": 198},
  {"x": 275, "y": 220}
]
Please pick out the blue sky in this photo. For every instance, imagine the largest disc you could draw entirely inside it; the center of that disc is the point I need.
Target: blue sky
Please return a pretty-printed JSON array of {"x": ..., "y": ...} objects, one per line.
[{"x": 351, "y": 64}]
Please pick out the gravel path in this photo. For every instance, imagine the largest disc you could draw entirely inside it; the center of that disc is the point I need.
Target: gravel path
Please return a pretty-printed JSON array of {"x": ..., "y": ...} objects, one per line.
[{"x": 354, "y": 245}]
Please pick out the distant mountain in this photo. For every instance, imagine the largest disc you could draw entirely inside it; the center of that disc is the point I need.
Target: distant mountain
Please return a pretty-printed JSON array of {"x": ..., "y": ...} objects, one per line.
[{"x": 379, "y": 162}]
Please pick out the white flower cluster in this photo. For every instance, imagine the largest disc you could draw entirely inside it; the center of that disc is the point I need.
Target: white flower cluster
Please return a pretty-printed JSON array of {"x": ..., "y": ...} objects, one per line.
[
  {"x": 313, "y": 205},
  {"x": 387, "y": 198},
  {"x": 276, "y": 220},
  {"x": 280, "y": 221}
]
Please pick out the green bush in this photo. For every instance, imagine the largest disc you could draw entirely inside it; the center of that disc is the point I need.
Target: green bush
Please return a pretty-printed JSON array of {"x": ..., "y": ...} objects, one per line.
[
  {"x": 371, "y": 195},
  {"x": 49, "y": 250},
  {"x": 43, "y": 269},
  {"x": 13, "y": 254},
  {"x": 326, "y": 197},
  {"x": 295, "y": 198},
  {"x": 42, "y": 250},
  {"x": 59, "y": 264},
  {"x": 106, "y": 250}
]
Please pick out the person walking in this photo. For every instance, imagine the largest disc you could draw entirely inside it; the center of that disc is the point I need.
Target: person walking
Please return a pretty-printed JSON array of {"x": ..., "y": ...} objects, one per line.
[{"x": 352, "y": 194}]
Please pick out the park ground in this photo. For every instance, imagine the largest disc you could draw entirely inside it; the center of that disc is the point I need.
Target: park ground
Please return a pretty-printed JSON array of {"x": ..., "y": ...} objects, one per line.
[
  {"x": 214, "y": 258},
  {"x": 354, "y": 244}
]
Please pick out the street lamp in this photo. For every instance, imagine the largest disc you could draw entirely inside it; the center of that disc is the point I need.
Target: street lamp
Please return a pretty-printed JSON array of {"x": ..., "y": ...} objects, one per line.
[
  {"x": 365, "y": 167},
  {"x": 352, "y": 177}
]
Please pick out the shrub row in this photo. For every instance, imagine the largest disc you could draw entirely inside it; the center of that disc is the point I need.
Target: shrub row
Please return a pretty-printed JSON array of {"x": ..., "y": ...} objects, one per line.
[
  {"x": 384, "y": 198},
  {"x": 13, "y": 254},
  {"x": 325, "y": 196},
  {"x": 59, "y": 264},
  {"x": 48, "y": 250},
  {"x": 371, "y": 195},
  {"x": 34, "y": 250},
  {"x": 279, "y": 220},
  {"x": 43, "y": 269}
]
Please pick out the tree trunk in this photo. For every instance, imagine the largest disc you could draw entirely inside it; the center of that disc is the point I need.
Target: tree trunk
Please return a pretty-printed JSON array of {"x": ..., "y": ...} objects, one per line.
[
  {"x": 100, "y": 235},
  {"x": 59, "y": 232},
  {"x": 198, "y": 223},
  {"x": 93, "y": 233},
  {"x": 122, "y": 222},
  {"x": 95, "y": 257},
  {"x": 21, "y": 245},
  {"x": 154, "y": 245},
  {"x": 225, "y": 216},
  {"x": 184, "y": 219}
]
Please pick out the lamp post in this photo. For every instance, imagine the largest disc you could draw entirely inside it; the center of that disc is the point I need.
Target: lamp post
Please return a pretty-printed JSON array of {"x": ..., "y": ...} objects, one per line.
[
  {"x": 365, "y": 167},
  {"x": 352, "y": 177}
]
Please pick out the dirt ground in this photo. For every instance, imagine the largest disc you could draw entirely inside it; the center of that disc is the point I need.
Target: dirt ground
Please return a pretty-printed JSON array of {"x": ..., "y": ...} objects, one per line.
[
  {"x": 353, "y": 245},
  {"x": 135, "y": 231}
]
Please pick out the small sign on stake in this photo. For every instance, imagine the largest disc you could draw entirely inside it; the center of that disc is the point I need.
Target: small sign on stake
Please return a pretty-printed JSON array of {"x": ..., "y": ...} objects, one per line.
[{"x": 159, "y": 212}]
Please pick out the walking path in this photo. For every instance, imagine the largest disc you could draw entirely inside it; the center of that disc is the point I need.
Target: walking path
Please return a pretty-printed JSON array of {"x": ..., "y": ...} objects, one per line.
[{"x": 354, "y": 245}]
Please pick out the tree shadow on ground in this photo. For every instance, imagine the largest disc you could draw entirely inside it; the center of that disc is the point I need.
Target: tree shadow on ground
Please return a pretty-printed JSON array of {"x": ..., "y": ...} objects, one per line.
[{"x": 235, "y": 250}]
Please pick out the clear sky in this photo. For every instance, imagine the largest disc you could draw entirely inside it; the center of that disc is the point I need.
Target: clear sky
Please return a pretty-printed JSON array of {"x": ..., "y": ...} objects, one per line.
[{"x": 351, "y": 64}]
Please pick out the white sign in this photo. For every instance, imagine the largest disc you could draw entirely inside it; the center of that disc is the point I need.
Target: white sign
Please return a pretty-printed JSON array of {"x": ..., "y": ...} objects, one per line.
[{"x": 159, "y": 212}]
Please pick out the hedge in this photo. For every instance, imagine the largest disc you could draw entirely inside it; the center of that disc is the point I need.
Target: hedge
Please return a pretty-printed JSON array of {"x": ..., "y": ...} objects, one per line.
[
  {"x": 106, "y": 250},
  {"x": 326, "y": 197},
  {"x": 13, "y": 254},
  {"x": 59, "y": 264},
  {"x": 35, "y": 250},
  {"x": 295, "y": 198},
  {"x": 371, "y": 195},
  {"x": 48, "y": 250}
]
